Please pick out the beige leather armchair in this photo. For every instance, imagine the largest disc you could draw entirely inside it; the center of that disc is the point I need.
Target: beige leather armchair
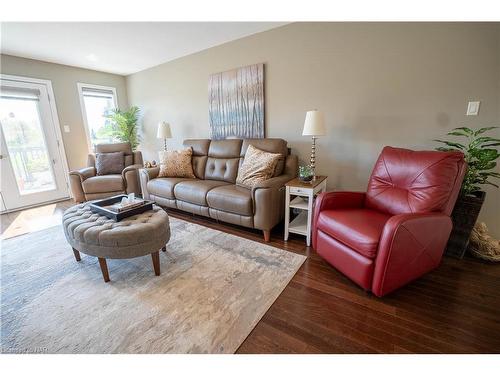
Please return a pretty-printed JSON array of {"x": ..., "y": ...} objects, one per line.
[{"x": 86, "y": 185}]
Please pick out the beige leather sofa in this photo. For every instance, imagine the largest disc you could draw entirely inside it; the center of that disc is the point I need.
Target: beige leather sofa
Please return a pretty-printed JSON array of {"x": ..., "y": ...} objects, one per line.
[
  {"x": 86, "y": 185},
  {"x": 214, "y": 194}
]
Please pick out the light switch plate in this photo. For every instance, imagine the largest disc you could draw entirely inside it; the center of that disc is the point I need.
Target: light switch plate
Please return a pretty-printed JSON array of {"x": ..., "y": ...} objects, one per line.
[
  {"x": 473, "y": 108},
  {"x": 66, "y": 128}
]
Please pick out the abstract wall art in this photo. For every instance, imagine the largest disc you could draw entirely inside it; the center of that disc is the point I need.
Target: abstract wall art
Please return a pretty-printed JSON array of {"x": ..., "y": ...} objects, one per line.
[{"x": 236, "y": 103}]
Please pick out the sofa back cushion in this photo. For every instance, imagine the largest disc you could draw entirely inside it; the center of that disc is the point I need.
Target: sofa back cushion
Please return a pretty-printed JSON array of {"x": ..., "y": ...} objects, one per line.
[
  {"x": 116, "y": 147},
  {"x": 223, "y": 160},
  {"x": 220, "y": 160},
  {"x": 109, "y": 163},
  {"x": 200, "y": 155},
  {"x": 272, "y": 145},
  {"x": 406, "y": 181}
]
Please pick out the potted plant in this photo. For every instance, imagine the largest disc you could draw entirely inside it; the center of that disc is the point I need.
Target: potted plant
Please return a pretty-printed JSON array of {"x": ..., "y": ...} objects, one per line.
[
  {"x": 306, "y": 173},
  {"x": 480, "y": 153},
  {"x": 123, "y": 125}
]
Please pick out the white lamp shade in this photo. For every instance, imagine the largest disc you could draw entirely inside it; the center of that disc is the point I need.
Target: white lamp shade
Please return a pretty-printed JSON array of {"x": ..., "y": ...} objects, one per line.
[
  {"x": 314, "y": 124},
  {"x": 164, "y": 130}
]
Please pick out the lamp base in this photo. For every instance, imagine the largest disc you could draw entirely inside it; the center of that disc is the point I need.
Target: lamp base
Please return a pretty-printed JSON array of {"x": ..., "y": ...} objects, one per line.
[{"x": 313, "y": 158}]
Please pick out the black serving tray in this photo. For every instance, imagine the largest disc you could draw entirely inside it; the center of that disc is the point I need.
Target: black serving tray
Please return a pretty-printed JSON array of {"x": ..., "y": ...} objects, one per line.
[{"x": 98, "y": 207}]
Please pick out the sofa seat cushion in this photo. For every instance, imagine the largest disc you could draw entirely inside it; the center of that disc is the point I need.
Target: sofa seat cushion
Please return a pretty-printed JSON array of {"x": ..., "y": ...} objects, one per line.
[
  {"x": 195, "y": 191},
  {"x": 103, "y": 184},
  {"x": 164, "y": 186},
  {"x": 231, "y": 198},
  {"x": 360, "y": 229}
]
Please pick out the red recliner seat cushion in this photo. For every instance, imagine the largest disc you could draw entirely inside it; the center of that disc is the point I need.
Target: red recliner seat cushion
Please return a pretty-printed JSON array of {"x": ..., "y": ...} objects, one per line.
[{"x": 360, "y": 229}]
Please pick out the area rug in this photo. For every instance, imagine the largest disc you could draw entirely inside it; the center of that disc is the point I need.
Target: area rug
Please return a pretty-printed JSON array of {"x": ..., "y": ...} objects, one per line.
[{"x": 213, "y": 289}]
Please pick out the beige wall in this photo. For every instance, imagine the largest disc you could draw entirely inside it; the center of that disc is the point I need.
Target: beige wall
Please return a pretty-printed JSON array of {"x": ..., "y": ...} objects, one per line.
[
  {"x": 378, "y": 84},
  {"x": 64, "y": 79}
]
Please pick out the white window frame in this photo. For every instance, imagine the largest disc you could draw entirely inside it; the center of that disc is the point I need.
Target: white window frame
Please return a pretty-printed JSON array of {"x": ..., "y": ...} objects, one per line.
[{"x": 81, "y": 86}]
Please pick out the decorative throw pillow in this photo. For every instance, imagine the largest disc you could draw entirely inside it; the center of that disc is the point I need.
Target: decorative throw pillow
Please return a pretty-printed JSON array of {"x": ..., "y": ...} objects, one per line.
[
  {"x": 109, "y": 163},
  {"x": 176, "y": 163},
  {"x": 257, "y": 166}
]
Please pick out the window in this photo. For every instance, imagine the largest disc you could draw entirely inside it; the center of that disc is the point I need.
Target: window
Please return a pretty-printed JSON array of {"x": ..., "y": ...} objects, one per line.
[
  {"x": 22, "y": 125},
  {"x": 96, "y": 102}
]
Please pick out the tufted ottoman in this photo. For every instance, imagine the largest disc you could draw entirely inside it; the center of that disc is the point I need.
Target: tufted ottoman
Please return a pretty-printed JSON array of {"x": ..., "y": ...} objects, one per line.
[{"x": 135, "y": 236}]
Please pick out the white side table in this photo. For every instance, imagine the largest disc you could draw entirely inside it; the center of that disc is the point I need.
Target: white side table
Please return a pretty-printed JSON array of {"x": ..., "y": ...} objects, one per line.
[{"x": 301, "y": 195}]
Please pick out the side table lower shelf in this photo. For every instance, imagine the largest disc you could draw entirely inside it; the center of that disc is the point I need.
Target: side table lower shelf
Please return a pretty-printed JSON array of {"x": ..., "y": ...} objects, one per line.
[{"x": 299, "y": 224}]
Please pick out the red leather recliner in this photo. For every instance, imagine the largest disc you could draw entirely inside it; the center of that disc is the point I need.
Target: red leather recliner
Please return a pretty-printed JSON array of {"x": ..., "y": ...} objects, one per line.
[{"x": 398, "y": 229}]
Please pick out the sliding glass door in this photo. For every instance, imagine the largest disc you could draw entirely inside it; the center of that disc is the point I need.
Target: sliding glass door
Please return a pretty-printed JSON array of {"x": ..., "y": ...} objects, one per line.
[{"x": 32, "y": 171}]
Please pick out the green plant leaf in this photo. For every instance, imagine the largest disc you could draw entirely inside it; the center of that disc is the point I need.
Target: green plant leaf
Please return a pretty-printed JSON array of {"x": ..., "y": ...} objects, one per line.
[
  {"x": 491, "y": 183},
  {"x": 489, "y": 165},
  {"x": 451, "y": 144},
  {"x": 485, "y": 154},
  {"x": 490, "y": 145},
  {"x": 482, "y": 130},
  {"x": 465, "y": 130},
  {"x": 490, "y": 174},
  {"x": 476, "y": 142},
  {"x": 459, "y": 134}
]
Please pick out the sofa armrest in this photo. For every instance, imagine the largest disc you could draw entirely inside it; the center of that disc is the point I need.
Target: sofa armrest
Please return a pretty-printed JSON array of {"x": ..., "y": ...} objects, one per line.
[
  {"x": 84, "y": 173},
  {"x": 146, "y": 174},
  {"x": 150, "y": 173},
  {"x": 268, "y": 199},
  {"x": 410, "y": 246},
  {"x": 272, "y": 183},
  {"x": 332, "y": 200},
  {"x": 131, "y": 168},
  {"x": 131, "y": 177},
  {"x": 75, "y": 181}
]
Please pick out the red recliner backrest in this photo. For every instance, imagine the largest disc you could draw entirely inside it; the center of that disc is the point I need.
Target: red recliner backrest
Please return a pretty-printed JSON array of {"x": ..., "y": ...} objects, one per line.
[{"x": 406, "y": 181}]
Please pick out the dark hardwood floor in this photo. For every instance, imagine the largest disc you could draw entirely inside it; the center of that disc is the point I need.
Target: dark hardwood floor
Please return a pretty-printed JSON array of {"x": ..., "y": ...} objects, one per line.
[{"x": 454, "y": 309}]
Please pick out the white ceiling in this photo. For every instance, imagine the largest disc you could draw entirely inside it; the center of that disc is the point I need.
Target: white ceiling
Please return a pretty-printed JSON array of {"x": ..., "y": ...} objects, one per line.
[{"x": 119, "y": 47}]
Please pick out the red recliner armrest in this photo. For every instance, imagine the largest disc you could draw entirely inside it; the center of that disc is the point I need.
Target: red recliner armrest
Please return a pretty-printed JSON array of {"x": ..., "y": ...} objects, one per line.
[
  {"x": 410, "y": 246},
  {"x": 332, "y": 200}
]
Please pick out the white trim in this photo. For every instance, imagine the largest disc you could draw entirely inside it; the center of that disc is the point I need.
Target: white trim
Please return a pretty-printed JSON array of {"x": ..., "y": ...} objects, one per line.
[
  {"x": 80, "y": 86},
  {"x": 55, "y": 120}
]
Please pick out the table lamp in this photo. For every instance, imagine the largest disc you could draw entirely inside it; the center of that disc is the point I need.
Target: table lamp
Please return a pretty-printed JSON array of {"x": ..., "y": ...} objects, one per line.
[
  {"x": 164, "y": 133},
  {"x": 314, "y": 125}
]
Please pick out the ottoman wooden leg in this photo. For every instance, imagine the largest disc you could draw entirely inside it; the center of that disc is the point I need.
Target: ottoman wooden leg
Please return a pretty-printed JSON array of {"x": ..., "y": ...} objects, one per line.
[
  {"x": 77, "y": 254},
  {"x": 156, "y": 262},
  {"x": 104, "y": 269}
]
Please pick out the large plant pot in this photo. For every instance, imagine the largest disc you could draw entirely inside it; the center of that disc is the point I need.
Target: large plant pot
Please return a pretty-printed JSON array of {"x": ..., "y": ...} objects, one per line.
[{"x": 464, "y": 217}]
